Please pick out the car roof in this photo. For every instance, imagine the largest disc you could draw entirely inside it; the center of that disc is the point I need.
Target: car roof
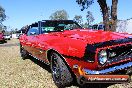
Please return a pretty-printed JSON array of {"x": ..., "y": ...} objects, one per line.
[
  {"x": 65, "y": 21},
  {"x": 36, "y": 23},
  {"x": 59, "y": 20}
]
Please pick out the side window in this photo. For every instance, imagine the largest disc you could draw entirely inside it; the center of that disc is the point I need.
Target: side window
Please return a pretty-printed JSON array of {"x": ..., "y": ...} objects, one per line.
[
  {"x": 47, "y": 27},
  {"x": 33, "y": 31}
]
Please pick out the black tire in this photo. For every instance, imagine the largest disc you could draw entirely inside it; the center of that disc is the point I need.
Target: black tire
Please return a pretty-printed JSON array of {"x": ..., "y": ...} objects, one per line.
[
  {"x": 60, "y": 72},
  {"x": 24, "y": 53},
  {"x": 3, "y": 41}
]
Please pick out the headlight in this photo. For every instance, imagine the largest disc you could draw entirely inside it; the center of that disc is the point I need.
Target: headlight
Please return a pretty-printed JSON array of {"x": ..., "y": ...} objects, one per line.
[{"x": 102, "y": 57}]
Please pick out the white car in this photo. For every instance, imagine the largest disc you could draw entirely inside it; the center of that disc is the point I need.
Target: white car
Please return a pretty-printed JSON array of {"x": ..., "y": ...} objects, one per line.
[{"x": 7, "y": 37}]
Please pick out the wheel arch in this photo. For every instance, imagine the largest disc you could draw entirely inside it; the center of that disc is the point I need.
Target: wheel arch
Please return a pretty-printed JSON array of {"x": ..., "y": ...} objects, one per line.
[
  {"x": 63, "y": 58},
  {"x": 53, "y": 50}
]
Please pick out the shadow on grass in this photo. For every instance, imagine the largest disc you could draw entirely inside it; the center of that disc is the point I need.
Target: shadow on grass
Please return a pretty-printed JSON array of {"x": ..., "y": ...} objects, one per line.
[
  {"x": 90, "y": 85},
  {"x": 40, "y": 63},
  {"x": 2, "y": 42}
]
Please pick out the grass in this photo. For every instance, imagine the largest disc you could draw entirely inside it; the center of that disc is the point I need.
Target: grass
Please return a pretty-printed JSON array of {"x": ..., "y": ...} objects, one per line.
[{"x": 18, "y": 73}]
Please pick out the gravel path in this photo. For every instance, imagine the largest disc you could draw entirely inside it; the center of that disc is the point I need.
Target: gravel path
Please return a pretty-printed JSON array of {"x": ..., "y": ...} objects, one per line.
[{"x": 29, "y": 73}]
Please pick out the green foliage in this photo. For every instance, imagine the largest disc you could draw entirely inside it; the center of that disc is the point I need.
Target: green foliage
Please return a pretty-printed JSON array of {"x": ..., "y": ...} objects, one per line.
[
  {"x": 2, "y": 28},
  {"x": 105, "y": 11},
  {"x": 78, "y": 19},
  {"x": 89, "y": 17},
  {"x": 84, "y": 3},
  {"x": 85, "y": 25},
  {"x": 2, "y": 14},
  {"x": 7, "y": 33},
  {"x": 2, "y": 18},
  {"x": 59, "y": 15},
  {"x": 14, "y": 31}
]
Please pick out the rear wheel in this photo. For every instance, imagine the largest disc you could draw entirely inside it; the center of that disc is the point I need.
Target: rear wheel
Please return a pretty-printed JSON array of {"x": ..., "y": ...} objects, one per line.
[
  {"x": 60, "y": 73},
  {"x": 24, "y": 53}
]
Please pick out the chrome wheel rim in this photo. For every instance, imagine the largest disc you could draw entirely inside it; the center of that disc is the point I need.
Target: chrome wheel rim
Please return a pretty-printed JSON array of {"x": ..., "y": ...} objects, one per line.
[{"x": 55, "y": 68}]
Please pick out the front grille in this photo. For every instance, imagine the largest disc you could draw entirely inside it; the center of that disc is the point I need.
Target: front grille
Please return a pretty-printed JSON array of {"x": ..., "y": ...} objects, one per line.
[{"x": 119, "y": 53}]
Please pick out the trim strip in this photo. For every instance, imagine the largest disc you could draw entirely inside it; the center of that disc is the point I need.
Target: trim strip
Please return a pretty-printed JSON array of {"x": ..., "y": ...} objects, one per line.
[{"x": 108, "y": 70}]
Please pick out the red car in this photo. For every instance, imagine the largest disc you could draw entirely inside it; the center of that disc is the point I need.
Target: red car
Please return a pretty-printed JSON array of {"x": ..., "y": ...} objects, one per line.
[
  {"x": 74, "y": 53},
  {"x": 2, "y": 39}
]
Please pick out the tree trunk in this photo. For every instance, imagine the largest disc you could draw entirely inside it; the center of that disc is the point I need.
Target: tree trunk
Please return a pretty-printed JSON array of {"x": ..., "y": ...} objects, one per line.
[
  {"x": 114, "y": 15},
  {"x": 104, "y": 9}
]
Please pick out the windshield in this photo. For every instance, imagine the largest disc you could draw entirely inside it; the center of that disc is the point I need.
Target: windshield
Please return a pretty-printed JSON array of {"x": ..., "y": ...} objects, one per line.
[{"x": 56, "y": 26}]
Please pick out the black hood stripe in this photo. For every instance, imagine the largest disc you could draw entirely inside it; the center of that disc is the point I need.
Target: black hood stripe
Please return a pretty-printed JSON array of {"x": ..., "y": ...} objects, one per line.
[{"x": 112, "y": 42}]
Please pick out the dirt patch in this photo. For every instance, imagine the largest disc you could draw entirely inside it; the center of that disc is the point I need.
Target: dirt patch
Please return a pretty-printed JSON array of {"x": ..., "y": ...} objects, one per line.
[{"x": 29, "y": 73}]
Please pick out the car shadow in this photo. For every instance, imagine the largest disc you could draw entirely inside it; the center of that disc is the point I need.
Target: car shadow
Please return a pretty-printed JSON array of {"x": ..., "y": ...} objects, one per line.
[
  {"x": 40, "y": 63},
  {"x": 88, "y": 85},
  {"x": 3, "y": 42}
]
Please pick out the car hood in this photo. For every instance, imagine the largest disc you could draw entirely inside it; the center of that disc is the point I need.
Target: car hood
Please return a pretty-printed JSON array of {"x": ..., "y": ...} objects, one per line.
[{"x": 91, "y": 36}]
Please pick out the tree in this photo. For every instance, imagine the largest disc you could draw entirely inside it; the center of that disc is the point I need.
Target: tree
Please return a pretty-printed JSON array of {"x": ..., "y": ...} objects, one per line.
[
  {"x": 85, "y": 25},
  {"x": 89, "y": 17},
  {"x": 2, "y": 14},
  {"x": 78, "y": 19},
  {"x": 59, "y": 15},
  {"x": 105, "y": 11},
  {"x": 2, "y": 28},
  {"x": 114, "y": 14},
  {"x": 2, "y": 18},
  {"x": 13, "y": 31}
]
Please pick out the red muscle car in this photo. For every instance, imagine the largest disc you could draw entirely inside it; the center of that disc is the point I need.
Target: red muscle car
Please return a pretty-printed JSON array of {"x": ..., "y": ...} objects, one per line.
[
  {"x": 74, "y": 53},
  {"x": 2, "y": 39}
]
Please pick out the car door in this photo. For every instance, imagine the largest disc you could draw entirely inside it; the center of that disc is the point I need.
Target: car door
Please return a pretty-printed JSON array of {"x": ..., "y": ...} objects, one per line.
[
  {"x": 40, "y": 45},
  {"x": 30, "y": 40},
  {"x": 40, "y": 48}
]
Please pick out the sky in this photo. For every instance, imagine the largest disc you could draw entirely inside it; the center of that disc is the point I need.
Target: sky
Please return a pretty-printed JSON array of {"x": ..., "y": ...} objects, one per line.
[{"x": 24, "y": 12}]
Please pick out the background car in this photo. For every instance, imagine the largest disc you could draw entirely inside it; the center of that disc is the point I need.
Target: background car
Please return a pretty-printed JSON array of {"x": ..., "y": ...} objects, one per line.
[
  {"x": 98, "y": 27},
  {"x": 7, "y": 37},
  {"x": 2, "y": 39}
]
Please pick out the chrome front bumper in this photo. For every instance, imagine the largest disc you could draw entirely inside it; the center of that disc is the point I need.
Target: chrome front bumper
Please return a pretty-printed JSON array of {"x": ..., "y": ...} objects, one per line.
[{"x": 108, "y": 70}]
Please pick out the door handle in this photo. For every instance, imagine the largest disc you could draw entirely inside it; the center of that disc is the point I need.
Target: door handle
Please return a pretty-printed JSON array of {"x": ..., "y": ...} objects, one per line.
[{"x": 28, "y": 43}]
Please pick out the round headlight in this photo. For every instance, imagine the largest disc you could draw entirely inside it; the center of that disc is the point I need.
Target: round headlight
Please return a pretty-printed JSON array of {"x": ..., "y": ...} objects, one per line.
[{"x": 102, "y": 57}]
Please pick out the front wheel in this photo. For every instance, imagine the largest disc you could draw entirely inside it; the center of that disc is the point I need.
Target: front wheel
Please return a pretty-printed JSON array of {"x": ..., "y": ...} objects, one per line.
[{"x": 60, "y": 73}]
